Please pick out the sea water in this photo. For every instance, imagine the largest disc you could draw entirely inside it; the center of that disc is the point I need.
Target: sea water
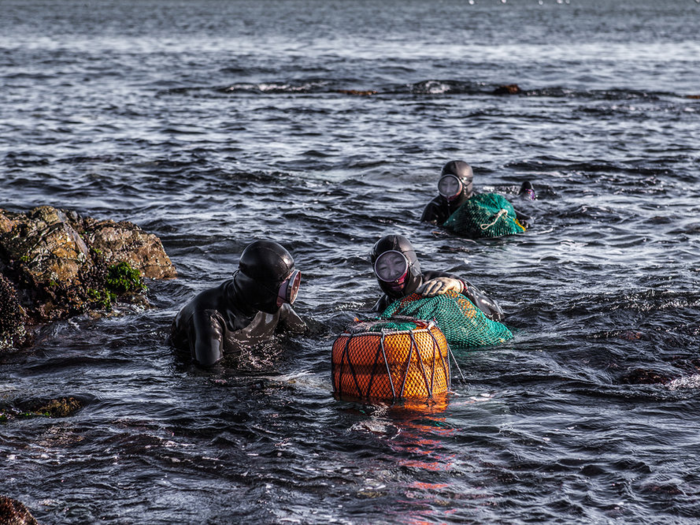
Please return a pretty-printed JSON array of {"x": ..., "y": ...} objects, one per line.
[{"x": 212, "y": 123}]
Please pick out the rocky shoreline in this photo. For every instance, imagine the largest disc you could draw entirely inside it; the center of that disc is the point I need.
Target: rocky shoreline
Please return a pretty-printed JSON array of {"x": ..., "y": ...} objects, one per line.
[{"x": 55, "y": 264}]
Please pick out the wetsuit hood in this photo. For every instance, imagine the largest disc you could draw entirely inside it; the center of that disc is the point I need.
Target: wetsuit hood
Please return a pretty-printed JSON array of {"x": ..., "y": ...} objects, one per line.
[
  {"x": 464, "y": 173},
  {"x": 263, "y": 267},
  {"x": 401, "y": 244}
]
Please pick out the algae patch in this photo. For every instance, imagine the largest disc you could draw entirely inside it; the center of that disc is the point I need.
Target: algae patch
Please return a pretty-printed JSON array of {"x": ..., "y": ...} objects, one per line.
[{"x": 122, "y": 278}]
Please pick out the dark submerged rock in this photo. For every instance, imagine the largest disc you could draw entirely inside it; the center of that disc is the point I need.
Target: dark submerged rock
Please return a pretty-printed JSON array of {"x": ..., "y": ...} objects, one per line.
[
  {"x": 13, "y": 512},
  {"x": 510, "y": 89},
  {"x": 356, "y": 92},
  {"x": 55, "y": 264},
  {"x": 54, "y": 408},
  {"x": 641, "y": 376},
  {"x": 62, "y": 407}
]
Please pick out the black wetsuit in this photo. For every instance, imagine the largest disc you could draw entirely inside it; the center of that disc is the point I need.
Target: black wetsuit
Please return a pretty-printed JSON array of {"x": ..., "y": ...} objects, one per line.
[
  {"x": 216, "y": 323},
  {"x": 438, "y": 210},
  {"x": 487, "y": 305}
]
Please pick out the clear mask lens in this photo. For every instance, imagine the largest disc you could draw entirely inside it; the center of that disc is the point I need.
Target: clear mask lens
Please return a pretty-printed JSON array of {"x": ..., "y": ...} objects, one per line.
[
  {"x": 391, "y": 266},
  {"x": 289, "y": 289},
  {"x": 449, "y": 186}
]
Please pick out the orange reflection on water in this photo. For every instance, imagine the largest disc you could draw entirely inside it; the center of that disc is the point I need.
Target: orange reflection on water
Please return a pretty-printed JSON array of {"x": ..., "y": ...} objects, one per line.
[
  {"x": 423, "y": 443},
  {"x": 428, "y": 486},
  {"x": 417, "y": 519},
  {"x": 434, "y": 466},
  {"x": 422, "y": 433}
]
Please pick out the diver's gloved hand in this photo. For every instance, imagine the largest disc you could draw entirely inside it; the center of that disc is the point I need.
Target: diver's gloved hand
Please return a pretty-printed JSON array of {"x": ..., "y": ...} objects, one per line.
[{"x": 439, "y": 286}]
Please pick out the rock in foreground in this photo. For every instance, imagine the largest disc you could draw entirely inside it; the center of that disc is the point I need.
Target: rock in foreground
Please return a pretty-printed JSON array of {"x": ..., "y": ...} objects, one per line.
[
  {"x": 12, "y": 317},
  {"x": 55, "y": 264},
  {"x": 14, "y": 513}
]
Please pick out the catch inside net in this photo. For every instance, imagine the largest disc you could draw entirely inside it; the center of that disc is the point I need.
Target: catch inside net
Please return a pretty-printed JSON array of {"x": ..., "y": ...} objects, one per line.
[
  {"x": 485, "y": 215},
  {"x": 464, "y": 325}
]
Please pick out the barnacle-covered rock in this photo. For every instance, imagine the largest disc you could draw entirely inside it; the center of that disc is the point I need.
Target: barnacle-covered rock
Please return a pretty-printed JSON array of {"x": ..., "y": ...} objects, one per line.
[
  {"x": 12, "y": 317},
  {"x": 56, "y": 264},
  {"x": 125, "y": 242},
  {"x": 45, "y": 244}
]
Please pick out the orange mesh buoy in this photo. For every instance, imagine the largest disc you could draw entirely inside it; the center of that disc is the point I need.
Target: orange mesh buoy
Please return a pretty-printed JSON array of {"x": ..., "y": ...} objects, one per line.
[{"x": 371, "y": 362}]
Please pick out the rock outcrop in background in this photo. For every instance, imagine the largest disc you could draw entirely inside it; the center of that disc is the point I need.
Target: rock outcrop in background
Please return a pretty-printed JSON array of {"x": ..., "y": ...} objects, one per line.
[{"x": 55, "y": 264}]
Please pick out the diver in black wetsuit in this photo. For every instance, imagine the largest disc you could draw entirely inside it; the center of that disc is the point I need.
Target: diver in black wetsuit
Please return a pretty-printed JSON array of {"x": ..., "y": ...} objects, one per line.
[
  {"x": 456, "y": 187},
  {"x": 398, "y": 272},
  {"x": 244, "y": 310}
]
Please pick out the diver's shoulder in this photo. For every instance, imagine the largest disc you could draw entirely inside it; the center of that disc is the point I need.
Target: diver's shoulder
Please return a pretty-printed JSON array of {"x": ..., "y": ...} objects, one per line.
[
  {"x": 211, "y": 298},
  {"x": 433, "y": 210}
]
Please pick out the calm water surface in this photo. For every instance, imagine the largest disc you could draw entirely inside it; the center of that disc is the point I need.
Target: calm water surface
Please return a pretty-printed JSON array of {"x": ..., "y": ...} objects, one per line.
[{"x": 214, "y": 123}]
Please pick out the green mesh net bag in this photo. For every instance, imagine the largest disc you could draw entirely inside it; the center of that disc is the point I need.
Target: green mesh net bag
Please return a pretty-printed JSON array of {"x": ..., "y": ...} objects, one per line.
[
  {"x": 464, "y": 325},
  {"x": 485, "y": 215}
]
